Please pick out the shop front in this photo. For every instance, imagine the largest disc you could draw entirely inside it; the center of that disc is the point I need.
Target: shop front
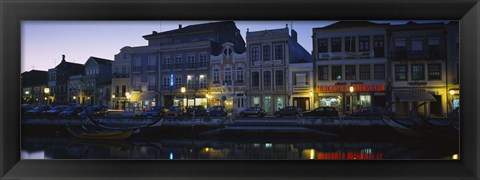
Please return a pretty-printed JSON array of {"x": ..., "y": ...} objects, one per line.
[
  {"x": 269, "y": 103},
  {"x": 350, "y": 98}
]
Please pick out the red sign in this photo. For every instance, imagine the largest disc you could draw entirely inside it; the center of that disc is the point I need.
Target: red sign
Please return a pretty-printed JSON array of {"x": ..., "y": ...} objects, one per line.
[{"x": 356, "y": 88}]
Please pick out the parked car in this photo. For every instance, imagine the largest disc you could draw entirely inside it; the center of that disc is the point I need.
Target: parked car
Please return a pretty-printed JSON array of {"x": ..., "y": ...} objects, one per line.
[
  {"x": 56, "y": 110},
  {"x": 71, "y": 111},
  {"x": 322, "y": 111},
  {"x": 175, "y": 111},
  {"x": 39, "y": 110},
  {"x": 96, "y": 110},
  {"x": 26, "y": 107},
  {"x": 217, "y": 111},
  {"x": 156, "y": 111},
  {"x": 199, "y": 111},
  {"x": 254, "y": 111},
  {"x": 132, "y": 111},
  {"x": 289, "y": 111},
  {"x": 372, "y": 112}
]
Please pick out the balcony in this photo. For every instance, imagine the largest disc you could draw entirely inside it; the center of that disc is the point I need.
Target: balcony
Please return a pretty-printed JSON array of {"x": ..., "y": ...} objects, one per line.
[
  {"x": 300, "y": 88},
  {"x": 267, "y": 88},
  {"x": 255, "y": 88}
]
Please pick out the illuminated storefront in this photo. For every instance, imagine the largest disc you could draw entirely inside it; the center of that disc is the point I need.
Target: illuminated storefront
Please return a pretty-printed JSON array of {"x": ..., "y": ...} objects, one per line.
[{"x": 342, "y": 97}]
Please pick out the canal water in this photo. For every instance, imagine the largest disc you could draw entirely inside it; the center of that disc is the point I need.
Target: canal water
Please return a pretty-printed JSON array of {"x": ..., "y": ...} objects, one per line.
[{"x": 188, "y": 148}]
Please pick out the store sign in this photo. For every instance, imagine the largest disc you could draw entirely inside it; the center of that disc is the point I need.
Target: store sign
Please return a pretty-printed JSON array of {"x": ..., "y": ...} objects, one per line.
[{"x": 356, "y": 88}]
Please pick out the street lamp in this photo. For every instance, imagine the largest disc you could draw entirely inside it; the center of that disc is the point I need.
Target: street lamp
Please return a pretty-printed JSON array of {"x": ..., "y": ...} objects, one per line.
[
  {"x": 183, "y": 90},
  {"x": 127, "y": 95},
  {"x": 351, "y": 89},
  {"x": 47, "y": 92}
]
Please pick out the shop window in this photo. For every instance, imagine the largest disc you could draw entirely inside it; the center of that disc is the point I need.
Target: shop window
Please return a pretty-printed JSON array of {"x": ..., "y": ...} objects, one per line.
[
  {"x": 267, "y": 103},
  {"x": 365, "y": 101},
  {"x": 330, "y": 101},
  {"x": 280, "y": 102},
  {"x": 255, "y": 101}
]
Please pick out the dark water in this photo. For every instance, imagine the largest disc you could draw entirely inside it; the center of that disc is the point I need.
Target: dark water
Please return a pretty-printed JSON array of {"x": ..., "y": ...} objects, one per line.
[{"x": 58, "y": 147}]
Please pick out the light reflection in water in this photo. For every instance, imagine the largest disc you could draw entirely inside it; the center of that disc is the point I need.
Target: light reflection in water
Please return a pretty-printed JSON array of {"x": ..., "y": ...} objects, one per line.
[{"x": 69, "y": 148}]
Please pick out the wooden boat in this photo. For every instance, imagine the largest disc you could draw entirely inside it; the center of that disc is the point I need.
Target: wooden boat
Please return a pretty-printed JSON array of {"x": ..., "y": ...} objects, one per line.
[{"x": 96, "y": 133}]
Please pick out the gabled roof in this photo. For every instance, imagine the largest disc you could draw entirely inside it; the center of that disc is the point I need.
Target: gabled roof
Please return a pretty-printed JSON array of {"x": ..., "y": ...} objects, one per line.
[
  {"x": 101, "y": 60},
  {"x": 34, "y": 78},
  {"x": 350, "y": 24},
  {"x": 192, "y": 29}
]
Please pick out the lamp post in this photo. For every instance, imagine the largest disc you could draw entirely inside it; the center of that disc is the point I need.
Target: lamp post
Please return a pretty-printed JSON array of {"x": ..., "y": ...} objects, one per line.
[
  {"x": 183, "y": 90},
  {"x": 351, "y": 89},
  {"x": 47, "y": 93},
  {"x": 311, "y": 98},
  {"x": 208, "y": 98},
  {"x": 127, "y": 95},
  {"x": 113, "y": 101}
]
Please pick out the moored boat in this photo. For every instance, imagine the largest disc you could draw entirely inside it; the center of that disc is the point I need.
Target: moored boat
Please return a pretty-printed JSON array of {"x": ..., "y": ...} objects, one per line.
[{"x": 98, "y": 134}]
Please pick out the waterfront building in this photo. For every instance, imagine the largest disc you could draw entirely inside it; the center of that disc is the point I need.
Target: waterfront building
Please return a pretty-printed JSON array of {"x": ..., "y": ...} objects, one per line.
[
  {"x": 269, "y": 54},
  {"x": 350, "y": 60},
  {"x": 183, "y": 57},
  {"x": 76, "y": 89},
  {"x": 229, "y": 80},
  {"x": 120, "y": 79},
  {"x": 300, "y": 85},
  {"x": 453, "y": 66},
  {"x": 98, "y": 73},
  {"x": 418, "y": 55},
  {"x": 33, "y": 83},
  {"x": 58, "y": 78}
]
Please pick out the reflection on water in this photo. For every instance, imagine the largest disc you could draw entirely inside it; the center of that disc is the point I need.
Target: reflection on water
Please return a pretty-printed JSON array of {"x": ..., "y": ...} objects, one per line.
[{"x": 186, "y": 148}]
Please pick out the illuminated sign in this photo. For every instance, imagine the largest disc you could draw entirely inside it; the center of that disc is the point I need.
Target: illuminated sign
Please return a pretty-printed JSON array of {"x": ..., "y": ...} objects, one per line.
[
  {"x": 356, "y": 88},
  {"x": 171, "y": 80},
  {"x": 349, "y": 156}
]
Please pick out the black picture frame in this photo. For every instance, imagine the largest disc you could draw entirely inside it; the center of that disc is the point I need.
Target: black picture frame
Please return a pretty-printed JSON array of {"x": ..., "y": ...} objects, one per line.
[{"x": 13, "y": 12}]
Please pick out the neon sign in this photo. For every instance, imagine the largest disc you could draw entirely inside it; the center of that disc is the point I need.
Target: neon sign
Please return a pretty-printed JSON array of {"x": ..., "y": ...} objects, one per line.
[{"x": 357, "y": 88}]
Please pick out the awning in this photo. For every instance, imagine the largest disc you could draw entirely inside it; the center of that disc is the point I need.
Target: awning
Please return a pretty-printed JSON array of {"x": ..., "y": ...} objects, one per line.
[{"x": 415, "y": 97}]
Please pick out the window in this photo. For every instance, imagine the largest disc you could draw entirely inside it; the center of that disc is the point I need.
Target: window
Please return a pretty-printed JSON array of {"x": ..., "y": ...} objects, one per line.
[
  {"x": 267, "y": 103},
  {"x": 152, "y": 61},
  {"x": 336, "y": 44},
  {"x": 125, "y": 56},
  {"x": 151, "y": 82},
  {"x": 350, "y": 44},
  {"x": 278, "y": 78},
  {"x": 255, "y": 79},
  {"x": 267, "y": 80},
  {"x": 323, "y": 73},
  {"x": 137, "y": 62},
  {"x": 266, "y": 53},
  {"x": 401, "y": 72},
  {"x": 300, "y": 79},
  {"x": 434, "y": 72},
  {"x": 434, "y": 47},
  {"x": 178, "y": 62},
  {"x": 191, "y": 61},
  {"x": 240, "y": 74},
  {"x": 136, "y": 81},
  {"x": 203, "y": 81},
  {"x": 278, "y": 52},
  {"x": 400, "y": 48},
  {"x": 418, "y": 72},
  {"x": 364, "y": 72},
  {"x": 379, "y": 71},
  {"x": 322, "y": 45},
  {"x": 178, "y": 82},
  {"x": 255, "y": 51},
  {"x": 203, "y": 60},
  {"x": 167, "y": 63},
  {"x": 280, "y": 102},
  {"x": 336, "y": 72},
  {"x": 216, "y": 75},
  {"x": 228, "y": 76},
  {"x": 190, "y": 82},
  {"x": 364, "y": 43},
  {"x": 378, "y": 46},
  {"x": 124, "y": 90},
  {"x": 350, "y": 72},
  {"x": 256, "y": 101},
  {"x": 417, "y": 44}
]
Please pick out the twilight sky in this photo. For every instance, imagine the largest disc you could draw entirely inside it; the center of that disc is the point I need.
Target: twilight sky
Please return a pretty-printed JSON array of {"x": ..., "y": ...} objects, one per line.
[{"x": 44, "y": 42}]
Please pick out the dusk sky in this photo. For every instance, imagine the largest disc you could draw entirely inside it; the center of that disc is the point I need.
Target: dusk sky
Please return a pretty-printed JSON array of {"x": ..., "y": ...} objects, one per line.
[{"x": 44, "y": 42}]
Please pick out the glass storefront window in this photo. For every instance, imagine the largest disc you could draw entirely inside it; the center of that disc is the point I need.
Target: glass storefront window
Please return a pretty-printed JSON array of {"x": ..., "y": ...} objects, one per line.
[
  {"x": 267, "y": 101},
  {"x": 365, "y": 101},
  {"x": 256, "y": 101},
  {"x": 333, "y": 101},
  {"x": 280, "y": 102},
  {"x": 456, "y": 103}
]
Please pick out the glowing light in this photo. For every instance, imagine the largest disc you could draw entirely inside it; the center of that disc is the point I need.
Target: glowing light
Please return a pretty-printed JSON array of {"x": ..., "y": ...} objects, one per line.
[
  {"x": 207, "y": 149},
  {"x": 268, "y": 145},
  {"x": 113, "y": 96},
  {"x": 312, "y": 153},
  {"x": 202, "y": 76},
  {"x": 351, "y": 89},
  {"x": 183, "y": 89},
  {"x": 452, "y": 92},
  {"x": 46, "y": 90},
  {"x": 171, "y": 155},
  {"x": 74, "y": 97},
  {"x": 455, "y": 156},
  {"x": 27, "y": 92}
]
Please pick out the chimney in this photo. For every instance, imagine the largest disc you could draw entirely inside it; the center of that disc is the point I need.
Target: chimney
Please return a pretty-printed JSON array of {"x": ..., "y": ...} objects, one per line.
[
  {"x": 154, "y": 32},
  {"x": 180, "y": 26},
  {"x": 63, "y": 57},
  {"x": 294, "y": 35}
]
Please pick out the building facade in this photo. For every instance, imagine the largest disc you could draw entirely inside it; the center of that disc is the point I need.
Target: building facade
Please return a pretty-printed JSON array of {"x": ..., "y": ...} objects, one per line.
[
  {"x": 453, "y": 65},
  {"x": 121, "y": 79},
  {"x": 269, "y": 54},
  {"x": 58, "y": 78},
  {"x": 300, "y": 85},
  {"x": 33, "y": 85},
  {"x": 418, "y": 56},
  {"x": 350, "y": 60},
  {"x": 98, "y": 73},
  {"x": 76, "y": 91},
  {"x": 229, "y": 80}
]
